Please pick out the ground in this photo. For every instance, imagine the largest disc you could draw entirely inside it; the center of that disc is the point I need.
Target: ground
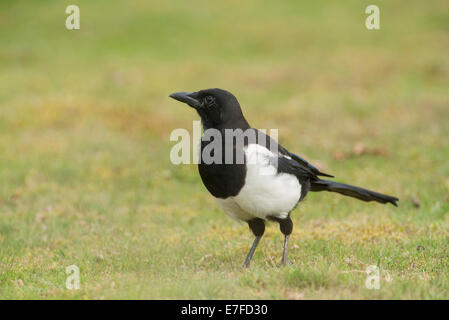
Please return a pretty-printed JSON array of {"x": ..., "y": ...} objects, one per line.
[{"x": 85, "y": 174}]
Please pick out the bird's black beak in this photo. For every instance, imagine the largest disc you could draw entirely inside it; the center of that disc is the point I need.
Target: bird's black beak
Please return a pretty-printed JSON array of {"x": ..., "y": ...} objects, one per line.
[{"x": 187, "y": 97}]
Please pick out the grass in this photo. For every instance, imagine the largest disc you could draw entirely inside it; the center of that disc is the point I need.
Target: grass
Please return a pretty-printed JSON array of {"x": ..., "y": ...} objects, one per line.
[{"x": 85, "y": 176}]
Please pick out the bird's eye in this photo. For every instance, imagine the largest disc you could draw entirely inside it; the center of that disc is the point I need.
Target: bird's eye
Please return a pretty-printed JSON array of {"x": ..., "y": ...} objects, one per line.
[{"x": 209, "y": 99}]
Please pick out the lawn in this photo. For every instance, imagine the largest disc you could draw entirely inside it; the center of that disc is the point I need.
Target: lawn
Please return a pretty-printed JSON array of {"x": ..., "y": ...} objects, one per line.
[{"x": 85, "y": 173}]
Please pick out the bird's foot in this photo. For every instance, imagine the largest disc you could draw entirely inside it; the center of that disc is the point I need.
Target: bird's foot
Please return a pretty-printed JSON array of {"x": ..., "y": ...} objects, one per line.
[{"x": 284, "y": 263}]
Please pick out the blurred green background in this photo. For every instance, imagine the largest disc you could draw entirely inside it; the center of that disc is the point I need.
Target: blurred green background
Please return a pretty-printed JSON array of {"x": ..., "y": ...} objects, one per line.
[{"x": 85, "y": 119}]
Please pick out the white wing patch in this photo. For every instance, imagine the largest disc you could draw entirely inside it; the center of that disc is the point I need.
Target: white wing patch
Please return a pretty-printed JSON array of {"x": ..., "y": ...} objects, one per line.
[{"x": 266, "y": 192}]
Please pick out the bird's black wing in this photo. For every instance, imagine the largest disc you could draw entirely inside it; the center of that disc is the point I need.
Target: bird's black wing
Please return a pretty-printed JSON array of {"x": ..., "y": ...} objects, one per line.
[
  {"x": 303, "y": 162},
  {"x": 288, "y": 165},
  {"x": 289, "y": 162}
]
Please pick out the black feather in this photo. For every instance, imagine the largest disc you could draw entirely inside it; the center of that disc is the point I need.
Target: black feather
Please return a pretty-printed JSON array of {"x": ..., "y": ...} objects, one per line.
[{"x": 352, "y": 191}]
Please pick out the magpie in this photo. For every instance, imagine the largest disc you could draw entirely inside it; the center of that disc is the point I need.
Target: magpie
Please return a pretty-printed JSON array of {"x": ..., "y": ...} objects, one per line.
[{"x": 269, "y": 181}]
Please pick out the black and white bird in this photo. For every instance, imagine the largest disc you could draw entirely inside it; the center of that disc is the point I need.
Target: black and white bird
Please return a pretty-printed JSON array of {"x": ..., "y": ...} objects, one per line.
[{"x": 269, "y": 182}]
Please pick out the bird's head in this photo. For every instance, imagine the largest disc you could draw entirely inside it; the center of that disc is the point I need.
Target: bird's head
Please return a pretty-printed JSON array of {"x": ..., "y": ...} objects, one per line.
[{"x": 217, "y": 108}]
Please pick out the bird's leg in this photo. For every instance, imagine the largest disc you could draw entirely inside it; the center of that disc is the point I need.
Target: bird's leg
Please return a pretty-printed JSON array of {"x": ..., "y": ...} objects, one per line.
[
  {"x": 284, "y": 255},
  {"x": 286, "y": 226},
  {"x": 257, "y": 226},
  {"x": 251, "y": 251}
]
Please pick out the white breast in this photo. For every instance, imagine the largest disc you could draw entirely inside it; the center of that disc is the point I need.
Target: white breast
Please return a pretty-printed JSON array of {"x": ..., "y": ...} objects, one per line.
[{"x": 265, "y": 192}]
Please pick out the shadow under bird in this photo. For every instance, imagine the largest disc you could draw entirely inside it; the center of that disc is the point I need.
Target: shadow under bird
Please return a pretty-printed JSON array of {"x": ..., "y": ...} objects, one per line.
[{"x": 269, "y": 182}]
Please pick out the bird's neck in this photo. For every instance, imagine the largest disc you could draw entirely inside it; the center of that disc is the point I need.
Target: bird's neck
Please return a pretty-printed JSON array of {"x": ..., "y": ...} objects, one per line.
[{"x": 240, "y": 123}]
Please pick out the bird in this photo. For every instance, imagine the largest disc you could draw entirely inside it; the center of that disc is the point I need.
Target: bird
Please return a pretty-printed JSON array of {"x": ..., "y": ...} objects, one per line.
[{"x": 261, "y": 181}]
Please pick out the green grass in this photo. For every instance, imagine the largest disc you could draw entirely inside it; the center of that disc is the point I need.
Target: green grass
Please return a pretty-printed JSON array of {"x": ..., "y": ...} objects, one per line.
[{"x": 85, "y": 176}]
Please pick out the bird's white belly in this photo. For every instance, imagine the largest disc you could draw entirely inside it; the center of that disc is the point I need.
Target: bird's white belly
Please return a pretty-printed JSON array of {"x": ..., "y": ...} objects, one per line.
[{"x": 265, "y": 192}]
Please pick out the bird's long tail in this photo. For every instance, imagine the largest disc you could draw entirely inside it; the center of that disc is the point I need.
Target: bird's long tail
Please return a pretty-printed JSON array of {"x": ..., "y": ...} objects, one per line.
[{"x": 352, "y": 191}]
